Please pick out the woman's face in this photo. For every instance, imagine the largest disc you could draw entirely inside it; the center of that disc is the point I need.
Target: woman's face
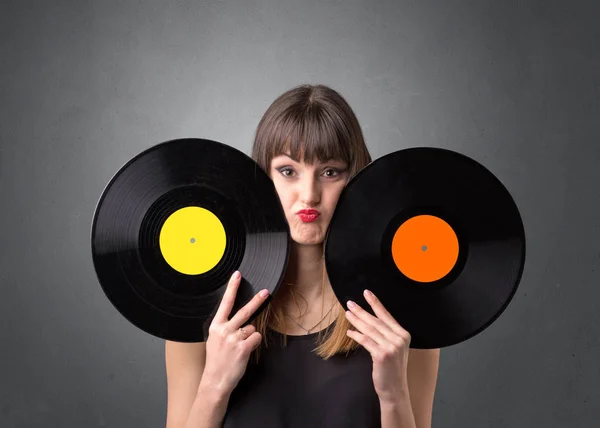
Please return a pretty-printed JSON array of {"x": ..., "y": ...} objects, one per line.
[{"x": 308, "y": 187}]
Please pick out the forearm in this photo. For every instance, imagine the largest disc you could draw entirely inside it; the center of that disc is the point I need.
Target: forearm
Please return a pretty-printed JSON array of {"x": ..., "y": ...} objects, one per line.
[
  {"x": 209, "y": 408},
  {"x": 398, "y": 413}
]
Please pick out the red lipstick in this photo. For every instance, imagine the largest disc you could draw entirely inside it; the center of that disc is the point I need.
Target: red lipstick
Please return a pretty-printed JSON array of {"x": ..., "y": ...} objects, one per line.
[{"x": 308, "y": 216}]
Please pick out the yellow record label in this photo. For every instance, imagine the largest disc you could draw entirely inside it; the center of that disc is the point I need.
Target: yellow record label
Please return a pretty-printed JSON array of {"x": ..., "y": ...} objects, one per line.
[{"x": 192, "y": 240}]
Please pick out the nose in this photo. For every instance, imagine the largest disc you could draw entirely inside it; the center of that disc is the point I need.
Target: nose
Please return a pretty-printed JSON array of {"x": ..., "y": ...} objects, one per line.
[{"x": 309, "y": 191}]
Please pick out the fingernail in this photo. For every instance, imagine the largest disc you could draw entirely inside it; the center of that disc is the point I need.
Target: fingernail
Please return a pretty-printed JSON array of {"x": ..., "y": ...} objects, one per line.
[
  {"x": 236, "y": 274},
  {"x": 368, "y": 293},
  {"x": 351, "y": 304},
  {"x": 264, "y": 293}
]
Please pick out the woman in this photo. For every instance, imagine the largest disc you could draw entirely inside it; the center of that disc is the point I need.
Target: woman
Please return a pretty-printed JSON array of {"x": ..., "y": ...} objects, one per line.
[{"x": 315, "y": 364}]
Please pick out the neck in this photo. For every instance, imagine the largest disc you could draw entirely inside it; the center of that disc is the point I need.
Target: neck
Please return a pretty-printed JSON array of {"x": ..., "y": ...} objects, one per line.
[{"x": 306, "y": 273}]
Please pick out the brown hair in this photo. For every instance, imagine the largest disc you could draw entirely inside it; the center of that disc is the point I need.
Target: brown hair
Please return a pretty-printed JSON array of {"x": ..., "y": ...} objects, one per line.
[{"x": 311, "y": 122}]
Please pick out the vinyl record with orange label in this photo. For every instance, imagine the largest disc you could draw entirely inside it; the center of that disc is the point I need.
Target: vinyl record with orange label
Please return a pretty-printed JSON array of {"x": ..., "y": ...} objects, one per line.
[
  {"x": 436, "y": 236},
  {"x": 173, "y": 225}
]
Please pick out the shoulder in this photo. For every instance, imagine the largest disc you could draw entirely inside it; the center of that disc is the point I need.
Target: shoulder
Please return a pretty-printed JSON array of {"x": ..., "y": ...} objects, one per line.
[
  {"x": 423, "y": 356},
  {"x": 184, "y": 358},
  {"x": 423, "y": 365},
  {"x": 184, "y": 363},
  {"x": 422, "y": 373}
]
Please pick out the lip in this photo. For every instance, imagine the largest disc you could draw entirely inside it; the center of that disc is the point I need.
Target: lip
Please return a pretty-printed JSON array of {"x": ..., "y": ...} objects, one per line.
[
  {"x": 309, "y": 212},
  {"x": 308, "y": 216}
]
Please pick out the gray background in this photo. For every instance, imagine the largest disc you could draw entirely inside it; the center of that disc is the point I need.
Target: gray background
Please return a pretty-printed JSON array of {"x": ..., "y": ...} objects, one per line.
[{"x": 87, "y": 85}]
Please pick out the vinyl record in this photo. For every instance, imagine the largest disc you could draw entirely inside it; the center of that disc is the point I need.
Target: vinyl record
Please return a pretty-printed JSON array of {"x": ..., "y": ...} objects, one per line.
[
  {"x": 436, "y": 236},
  {"x": 173, "y": 225}
]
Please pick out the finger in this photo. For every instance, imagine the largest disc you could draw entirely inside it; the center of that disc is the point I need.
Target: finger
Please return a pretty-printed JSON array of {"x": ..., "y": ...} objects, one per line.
[
  {"x": 366, "y": 329},
  {"x": 383, "y": 314},
  {"x": 253, "y": 341},
  {"x": 248, "y": 309},
  {"x": 248, "y": 330},
  {"x": 239, "y": 335},
  {"x": 369, "y": 319},
  {"x": 365, "y": 341},
  {"x": 228, "y": 298}
]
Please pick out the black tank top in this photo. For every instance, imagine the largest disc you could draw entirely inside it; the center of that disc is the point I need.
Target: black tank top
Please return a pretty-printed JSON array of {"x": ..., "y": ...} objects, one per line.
[{"x": 292, "y": 387}]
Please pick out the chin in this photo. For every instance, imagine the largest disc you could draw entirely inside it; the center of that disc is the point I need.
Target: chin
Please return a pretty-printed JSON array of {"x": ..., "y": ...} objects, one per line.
[
  {"x": 307, "y": 242},
  {"x": 303, "y": 239},
  {"x": 308, "y": 233}
]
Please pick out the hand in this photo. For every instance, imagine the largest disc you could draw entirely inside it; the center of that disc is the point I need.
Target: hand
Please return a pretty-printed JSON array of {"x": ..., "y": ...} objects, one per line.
[
  {"x": 387, "y": 342},
  {"x": 228, "y": 348}
]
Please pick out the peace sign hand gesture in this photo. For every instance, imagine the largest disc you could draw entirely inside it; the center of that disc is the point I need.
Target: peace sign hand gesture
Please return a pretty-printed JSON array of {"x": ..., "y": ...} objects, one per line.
[{"x": 228, "y": 347}]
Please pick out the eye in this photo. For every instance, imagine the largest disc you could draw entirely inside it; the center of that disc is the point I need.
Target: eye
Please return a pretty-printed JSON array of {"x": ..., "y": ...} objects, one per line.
[
  {"x": 332, "y": 172},
  {"x": 285, "y": 170}
]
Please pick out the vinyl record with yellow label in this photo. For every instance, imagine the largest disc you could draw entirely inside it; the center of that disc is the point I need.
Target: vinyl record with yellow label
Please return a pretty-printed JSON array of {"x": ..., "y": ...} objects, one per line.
[
  {"x": 173, "y": 225},
  {"x": 440, "y": 242}
]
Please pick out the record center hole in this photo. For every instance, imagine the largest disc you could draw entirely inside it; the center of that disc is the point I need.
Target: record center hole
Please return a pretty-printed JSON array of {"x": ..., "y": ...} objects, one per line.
[
  {"x": 193, "y": 240},
  {"x": 424, "y": 248}
]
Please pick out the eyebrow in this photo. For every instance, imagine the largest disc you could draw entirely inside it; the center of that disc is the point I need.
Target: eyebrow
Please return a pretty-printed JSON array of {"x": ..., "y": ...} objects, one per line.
[
  {"x": 288, "y": 155},
  {"x": 291, "y": 157}
]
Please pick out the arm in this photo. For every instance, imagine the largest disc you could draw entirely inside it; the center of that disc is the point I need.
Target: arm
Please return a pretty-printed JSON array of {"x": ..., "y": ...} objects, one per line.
[
  {"x": 414, "y": 407},
  {"x": 398, "y": 414},
  {"x": 208, "y": 410},
  {"x": 191, "y": 404}
]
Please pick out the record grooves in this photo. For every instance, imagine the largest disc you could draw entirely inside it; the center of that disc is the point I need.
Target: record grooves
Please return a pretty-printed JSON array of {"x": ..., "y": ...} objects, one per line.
[
  {"x": 433, "y": 233},
  {"x": 174, "y": 223},
  {"x": 440, "y": 242}
]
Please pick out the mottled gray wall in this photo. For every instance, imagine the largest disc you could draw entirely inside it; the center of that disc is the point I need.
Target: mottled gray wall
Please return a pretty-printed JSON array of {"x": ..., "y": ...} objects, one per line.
[{"x": 84, "y": 86}]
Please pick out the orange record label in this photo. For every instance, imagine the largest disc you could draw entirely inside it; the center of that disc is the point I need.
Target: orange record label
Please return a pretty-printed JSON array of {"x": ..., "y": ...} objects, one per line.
[{"x": 425, "y": 248}]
